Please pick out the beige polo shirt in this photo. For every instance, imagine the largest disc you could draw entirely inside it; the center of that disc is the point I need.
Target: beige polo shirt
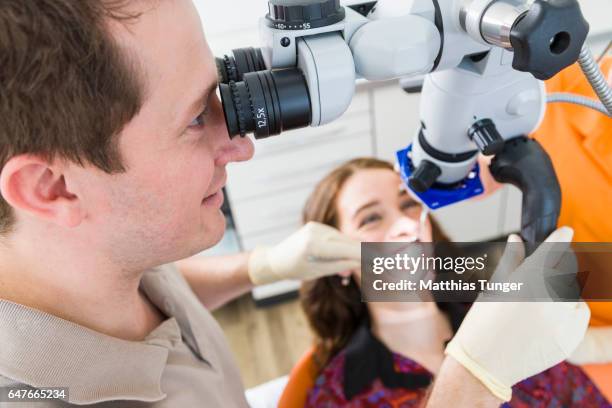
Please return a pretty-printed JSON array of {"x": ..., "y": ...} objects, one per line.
[{"x": 183, "y": 363}]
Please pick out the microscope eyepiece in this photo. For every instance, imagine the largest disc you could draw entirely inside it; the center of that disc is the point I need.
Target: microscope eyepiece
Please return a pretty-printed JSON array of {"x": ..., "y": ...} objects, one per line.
[
  {"x": 242, "y": 61},
  {"x": 266, "y": 103},
  {"x": 267, "y": 98}
]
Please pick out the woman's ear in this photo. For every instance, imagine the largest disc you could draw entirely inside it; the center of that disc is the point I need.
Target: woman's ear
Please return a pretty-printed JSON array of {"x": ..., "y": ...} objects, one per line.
[
  {"x": 489, "y": 183},
  {"x": 33, "y": 186}
]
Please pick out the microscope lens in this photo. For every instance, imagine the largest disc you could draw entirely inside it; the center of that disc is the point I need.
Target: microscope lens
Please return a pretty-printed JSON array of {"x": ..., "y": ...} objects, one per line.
[{"x": 266, "y": 103}]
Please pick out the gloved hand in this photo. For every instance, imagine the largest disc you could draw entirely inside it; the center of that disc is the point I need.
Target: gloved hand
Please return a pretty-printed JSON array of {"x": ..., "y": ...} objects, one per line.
[
  {"x": 549, "y": 274},
  {"x": 596, "y": 348},
  {"x": 314, "y": 251},
  {"x": 503, "y": 343}
]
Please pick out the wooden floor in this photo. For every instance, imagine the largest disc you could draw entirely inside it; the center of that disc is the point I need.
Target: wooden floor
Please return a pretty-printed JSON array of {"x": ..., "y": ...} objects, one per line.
[{"x": 266, "y": 341}]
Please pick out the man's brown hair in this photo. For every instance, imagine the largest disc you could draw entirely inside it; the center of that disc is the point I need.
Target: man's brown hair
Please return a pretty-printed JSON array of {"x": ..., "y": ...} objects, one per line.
[{"x": 66, "y": 87}]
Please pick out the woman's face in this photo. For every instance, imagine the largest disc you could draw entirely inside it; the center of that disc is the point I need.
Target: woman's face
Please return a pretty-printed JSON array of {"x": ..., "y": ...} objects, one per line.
[{"x": 372, "y": 207}]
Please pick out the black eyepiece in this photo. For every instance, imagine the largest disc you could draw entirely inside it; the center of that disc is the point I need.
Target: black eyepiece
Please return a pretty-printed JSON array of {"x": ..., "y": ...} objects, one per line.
[
  {"x": 266, "y": 103},
  {"x": 242, "y": 61}
]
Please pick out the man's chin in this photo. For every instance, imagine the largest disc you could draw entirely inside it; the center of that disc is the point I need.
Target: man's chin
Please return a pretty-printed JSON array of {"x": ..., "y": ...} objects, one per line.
[
  {"x": 190, "y": 243},
  {"x": 214, "y": 229}
]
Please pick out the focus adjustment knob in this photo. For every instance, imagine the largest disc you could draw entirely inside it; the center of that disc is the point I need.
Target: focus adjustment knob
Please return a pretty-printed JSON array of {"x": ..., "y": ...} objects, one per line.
[
  {"x": 548, "y": 37},
  {"x": 486, "y": 137},
  {"x": 424, "y": 176},
  {"x": 303, "y": 14}
]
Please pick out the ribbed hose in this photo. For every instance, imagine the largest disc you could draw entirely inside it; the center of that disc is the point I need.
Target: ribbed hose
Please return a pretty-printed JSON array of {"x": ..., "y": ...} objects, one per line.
[
  {"x": 595, "y": 77},
  {"x": 576, "y": 100}
]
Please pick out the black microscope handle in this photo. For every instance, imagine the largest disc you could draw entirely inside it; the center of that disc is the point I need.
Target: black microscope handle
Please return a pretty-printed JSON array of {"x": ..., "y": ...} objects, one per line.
[{"x": 524, "y": 163}]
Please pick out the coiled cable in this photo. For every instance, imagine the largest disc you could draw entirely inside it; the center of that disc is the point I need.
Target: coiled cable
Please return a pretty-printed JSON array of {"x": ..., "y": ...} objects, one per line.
[
  {"x": 576, "y": 100},
  {"x": 591, "y": 70}
]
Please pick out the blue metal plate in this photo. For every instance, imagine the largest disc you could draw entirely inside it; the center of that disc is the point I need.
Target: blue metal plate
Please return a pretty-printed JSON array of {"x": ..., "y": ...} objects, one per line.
[{"x": 437, "y": 196}]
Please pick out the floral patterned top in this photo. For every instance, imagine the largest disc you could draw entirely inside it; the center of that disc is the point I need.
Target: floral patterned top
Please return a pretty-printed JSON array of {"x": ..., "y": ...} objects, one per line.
[{"x": 357, "y": 377}]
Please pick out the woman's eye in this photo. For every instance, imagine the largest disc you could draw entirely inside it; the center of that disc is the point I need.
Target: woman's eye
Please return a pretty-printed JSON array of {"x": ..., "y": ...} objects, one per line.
[
  {"x": 409, "y": 205},
  {"x": 411, "y": 208},
  {"x": 369, "y": 220}
]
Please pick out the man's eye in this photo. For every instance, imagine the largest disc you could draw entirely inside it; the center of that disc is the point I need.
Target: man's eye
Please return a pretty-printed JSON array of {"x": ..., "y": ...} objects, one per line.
[{"x": 199, "y": 121}]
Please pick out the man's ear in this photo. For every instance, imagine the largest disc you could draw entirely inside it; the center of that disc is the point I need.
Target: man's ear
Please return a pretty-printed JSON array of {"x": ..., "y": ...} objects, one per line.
[{"x": 35, "y": 186}]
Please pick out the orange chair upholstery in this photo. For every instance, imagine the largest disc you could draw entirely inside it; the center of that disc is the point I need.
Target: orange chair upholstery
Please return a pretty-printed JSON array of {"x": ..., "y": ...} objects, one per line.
[
  {"x": 579, "y": 142},
  {"x": 301, "y": 381}
]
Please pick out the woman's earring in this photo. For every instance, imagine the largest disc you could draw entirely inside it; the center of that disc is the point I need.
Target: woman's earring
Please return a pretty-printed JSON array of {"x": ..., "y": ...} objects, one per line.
[{"x": 346, "y": 280}]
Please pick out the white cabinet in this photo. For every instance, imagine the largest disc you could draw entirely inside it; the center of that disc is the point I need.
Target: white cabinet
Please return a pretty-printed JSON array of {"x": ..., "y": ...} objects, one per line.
[
  {"x": 396, "y": 118},
  {"x": 231, "y": 24}
]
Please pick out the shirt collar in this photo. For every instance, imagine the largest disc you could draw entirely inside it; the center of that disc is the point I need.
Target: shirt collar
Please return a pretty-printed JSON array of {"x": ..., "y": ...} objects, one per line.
[
  {"x": 368, "y": 359},
  {"x": 42, "y": 350}
]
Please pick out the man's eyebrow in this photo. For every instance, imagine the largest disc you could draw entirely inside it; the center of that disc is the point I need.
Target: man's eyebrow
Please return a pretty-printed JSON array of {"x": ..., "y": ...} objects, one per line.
[
  {"x": 200, "y": 103},
  {"x": 365, "y": 206}
]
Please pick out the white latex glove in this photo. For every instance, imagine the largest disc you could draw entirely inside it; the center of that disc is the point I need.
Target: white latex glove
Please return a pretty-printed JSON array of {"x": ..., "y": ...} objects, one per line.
[
  {"x": 503, "y": 343},
  {"x": 314, "y": 251},
  {"x": 596, "y": 348},
  {"x": 548, "y": 274}
]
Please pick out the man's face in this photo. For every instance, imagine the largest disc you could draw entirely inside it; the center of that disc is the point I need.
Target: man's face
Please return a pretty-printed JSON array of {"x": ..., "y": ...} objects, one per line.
[{"x": 166, "y": 206}]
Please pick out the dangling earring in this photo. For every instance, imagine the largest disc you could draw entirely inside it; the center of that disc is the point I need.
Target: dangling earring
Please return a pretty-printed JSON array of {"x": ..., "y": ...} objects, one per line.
[{"x": 346, "y": 280}]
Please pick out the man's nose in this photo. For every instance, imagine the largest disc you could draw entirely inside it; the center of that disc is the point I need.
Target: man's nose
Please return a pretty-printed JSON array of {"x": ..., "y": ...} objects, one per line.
[
  {"x": 234, "y": 150},
  {"x": 404, "y": 229}
]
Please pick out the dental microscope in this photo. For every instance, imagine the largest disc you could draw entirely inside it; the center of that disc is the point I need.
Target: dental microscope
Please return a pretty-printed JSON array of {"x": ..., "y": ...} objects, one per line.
[{"x": 483, "y": 61}]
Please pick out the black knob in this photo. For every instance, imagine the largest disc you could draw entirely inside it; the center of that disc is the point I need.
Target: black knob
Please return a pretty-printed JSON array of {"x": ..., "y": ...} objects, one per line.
[
  {"x": 303, "y": 14},
  {"x": 548, "y": 37},
  {"x": 242, "y": 61},
  {"x": 487, "y": 138},
  {"x": 424, "y": 176}
]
